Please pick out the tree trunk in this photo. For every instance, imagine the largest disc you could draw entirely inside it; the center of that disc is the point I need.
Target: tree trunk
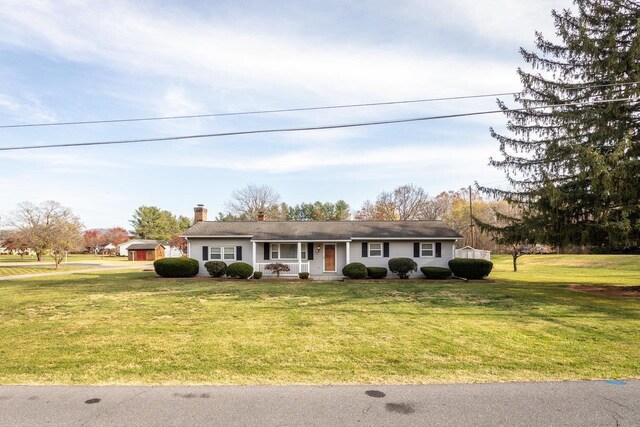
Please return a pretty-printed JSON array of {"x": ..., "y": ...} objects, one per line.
[
  {"x": 515, "y": 262},
  {"x": 39, "y": 256}
]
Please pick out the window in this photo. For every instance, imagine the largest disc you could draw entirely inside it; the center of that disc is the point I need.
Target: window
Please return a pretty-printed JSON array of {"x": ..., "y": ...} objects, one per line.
[
  {"x": 426, "y": 250},
  {"x": 375, "y": 249},
  {"x": 230, "y": 253},
  {"x": 223, "y": 252},
  {"x": 287, "y": 251}
]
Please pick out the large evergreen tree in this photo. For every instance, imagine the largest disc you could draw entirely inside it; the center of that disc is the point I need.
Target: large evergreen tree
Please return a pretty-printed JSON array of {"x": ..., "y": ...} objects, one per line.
[{"x": 575, "y": 170}]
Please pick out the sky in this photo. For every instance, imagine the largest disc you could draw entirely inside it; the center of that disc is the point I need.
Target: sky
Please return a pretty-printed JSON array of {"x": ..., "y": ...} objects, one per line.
[{"x": 92, "y": 60}]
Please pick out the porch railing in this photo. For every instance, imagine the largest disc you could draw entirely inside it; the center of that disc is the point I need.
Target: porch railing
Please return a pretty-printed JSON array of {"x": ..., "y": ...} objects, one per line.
[{"x": 294, "y": 268}]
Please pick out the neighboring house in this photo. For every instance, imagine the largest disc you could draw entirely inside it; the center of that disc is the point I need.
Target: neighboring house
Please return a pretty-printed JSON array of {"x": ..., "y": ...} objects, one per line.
[
  {"x": 146, "y": 251},
  {"x": 469, "y": 252},
  {"x": 106, "y": 249},
  {"x": 321, "y": 248}
]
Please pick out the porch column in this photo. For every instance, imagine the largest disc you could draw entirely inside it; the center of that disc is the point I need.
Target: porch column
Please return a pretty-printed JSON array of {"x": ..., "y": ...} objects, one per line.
[
  {"x": 299, "y": 257},
  {"x": 254, "y": 255},
  {"x": 348, "y": 249}
]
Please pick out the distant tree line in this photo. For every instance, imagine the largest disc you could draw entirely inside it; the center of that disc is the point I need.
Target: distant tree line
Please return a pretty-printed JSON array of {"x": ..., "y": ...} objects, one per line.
[{"x": 404, "y": 203}]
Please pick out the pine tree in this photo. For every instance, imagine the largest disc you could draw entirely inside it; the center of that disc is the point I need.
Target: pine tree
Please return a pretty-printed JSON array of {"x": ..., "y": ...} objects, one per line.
[{"x": 575, "y": 170}]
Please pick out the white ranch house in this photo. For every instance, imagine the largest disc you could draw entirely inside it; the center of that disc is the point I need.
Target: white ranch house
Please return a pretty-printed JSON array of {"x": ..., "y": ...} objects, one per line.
[{"x": 320, "y": 248}]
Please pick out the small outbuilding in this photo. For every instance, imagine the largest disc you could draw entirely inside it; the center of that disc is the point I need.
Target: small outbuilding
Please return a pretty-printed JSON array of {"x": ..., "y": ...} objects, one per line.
[
  {"x": 146, "y": 251},
  {"x": 469, "y": 252}
]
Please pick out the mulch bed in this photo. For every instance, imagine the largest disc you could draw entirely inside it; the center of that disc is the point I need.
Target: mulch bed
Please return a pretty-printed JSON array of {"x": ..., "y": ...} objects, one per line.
[
  {"x": 230, "y": 279},
  {"x": 421, "y": 280},
  {"x": 609, "y": 291}
]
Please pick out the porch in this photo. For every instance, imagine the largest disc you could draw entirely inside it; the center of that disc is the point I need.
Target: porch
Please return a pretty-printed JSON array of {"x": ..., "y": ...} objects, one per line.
[
  {"x": 318, "y": 258},
  {"x": 293, "y": 268}
]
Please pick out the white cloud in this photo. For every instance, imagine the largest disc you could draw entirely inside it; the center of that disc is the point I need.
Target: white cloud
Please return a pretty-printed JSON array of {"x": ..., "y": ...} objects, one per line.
[
  {"x": 134, "y": 39},
  {"x": 495, "y": 21},
  {"x": 175, "y": 102},
  {"x": 394, "y": 157},
  {"x": 28, "y": 108}
]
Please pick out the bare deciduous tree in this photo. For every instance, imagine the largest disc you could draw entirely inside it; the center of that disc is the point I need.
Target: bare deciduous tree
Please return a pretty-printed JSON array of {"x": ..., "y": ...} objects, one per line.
[
  {"x": 405, "y": 203},
  {"x": 48, "y": 228},
  {"x": 247, "y": 202},
  {"x": 66, "y": 238}
]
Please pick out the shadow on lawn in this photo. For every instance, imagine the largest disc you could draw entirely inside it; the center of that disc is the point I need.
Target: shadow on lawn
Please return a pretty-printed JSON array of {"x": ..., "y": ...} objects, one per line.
[{"x": 549, "y": 301}]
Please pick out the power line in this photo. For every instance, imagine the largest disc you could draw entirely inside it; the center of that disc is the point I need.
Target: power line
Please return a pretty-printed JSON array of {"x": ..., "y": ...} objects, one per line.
[
  {"x": 245, "y": 113},
  {"x": 310, "y": 128},
  {"x": 286, "y": 110}
]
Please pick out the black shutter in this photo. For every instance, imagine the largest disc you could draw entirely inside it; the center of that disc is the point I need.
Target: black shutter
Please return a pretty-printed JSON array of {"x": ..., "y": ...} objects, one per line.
[
  {"x": 205, "y": 253},
  {"x": 310, "y": 251},
  {"x": 416, "y": 250},
  {"x": 385, "y": 250},
  {"x": 239, "y": 253},
  {"x": 365, "y": 249},
  {"x": 438, "y": 249},
  {"x": 267, "y": 252}
]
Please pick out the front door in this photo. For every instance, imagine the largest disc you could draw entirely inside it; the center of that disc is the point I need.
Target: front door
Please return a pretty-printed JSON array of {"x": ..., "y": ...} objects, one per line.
[{"x": 329, "y": 257}]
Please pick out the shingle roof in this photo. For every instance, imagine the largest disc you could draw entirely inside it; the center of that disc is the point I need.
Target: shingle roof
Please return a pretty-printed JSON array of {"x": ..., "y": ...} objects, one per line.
[
  {"x": 143, "y": 246},
  {"x": 322, "y": 230}
]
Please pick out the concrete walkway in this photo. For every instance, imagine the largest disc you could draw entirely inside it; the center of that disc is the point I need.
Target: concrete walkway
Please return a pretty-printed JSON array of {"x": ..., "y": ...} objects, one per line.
[
  {"x": 85, "y": 270},
  {"x": 592, "y": 403}
]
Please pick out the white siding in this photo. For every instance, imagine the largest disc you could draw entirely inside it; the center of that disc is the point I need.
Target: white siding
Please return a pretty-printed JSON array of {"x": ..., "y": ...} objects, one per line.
[
  {"x": 396, "y": 249},
  {"x": 402, "y": 249},
  {"x": 196, "y": 244}
]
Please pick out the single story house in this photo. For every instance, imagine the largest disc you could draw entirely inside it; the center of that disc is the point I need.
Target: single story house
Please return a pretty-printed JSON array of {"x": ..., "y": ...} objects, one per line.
[
  {"x": 321, "y": 248},
  {"x": 146, "y": 251}
]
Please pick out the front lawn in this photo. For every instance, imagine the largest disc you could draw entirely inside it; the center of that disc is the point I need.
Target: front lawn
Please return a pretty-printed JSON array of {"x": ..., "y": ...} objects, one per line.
[
  {"x": 134, "y": 328},
  {"x": 18, "y": 270}
]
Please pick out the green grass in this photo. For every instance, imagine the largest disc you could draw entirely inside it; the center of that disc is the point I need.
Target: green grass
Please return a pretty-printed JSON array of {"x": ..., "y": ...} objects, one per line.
[
  {"x": 17, "y": 270},
  {"x": 71, "y": 258},
  {"x": 570, "y": 269},
  {"x": 133, "y": 328}
]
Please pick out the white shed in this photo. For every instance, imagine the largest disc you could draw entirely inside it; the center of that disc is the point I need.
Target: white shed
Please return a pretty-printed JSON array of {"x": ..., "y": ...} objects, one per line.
[{"x": 469, "y": 252}]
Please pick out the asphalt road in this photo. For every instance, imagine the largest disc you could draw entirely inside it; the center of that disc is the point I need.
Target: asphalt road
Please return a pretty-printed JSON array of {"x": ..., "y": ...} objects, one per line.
[{"x": 587, "y": 403}]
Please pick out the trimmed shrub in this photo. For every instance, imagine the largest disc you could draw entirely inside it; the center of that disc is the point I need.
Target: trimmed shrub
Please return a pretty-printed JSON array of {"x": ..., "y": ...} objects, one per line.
[
  {"x": 437, "y": 273},
  {"x": 216, "y": 268},
  {"x": 376, "y": 272},
  {"x": 403, "y": 267},
  {"x": 355, "y": 270},
  {"x": 303, "y": 276},
  {"x": 240, "y": 270},
  {"x": 176, "y": 267},
  {"x": 257, "y": 274},
  {"x": 473, "y": 269}
]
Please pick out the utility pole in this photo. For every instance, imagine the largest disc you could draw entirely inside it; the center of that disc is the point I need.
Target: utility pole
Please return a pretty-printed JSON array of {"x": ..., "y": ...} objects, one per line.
[{"x": 471, "y": 224}]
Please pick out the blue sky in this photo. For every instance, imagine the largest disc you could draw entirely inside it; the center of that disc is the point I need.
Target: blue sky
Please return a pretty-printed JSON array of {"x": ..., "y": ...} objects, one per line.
[{"x": 78, "y": 60}]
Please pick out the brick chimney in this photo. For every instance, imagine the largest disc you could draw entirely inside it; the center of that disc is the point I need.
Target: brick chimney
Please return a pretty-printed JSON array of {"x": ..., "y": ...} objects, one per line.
[
  {"x": 200, "y": 214},
  {"x": 261, "y": 216}
]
